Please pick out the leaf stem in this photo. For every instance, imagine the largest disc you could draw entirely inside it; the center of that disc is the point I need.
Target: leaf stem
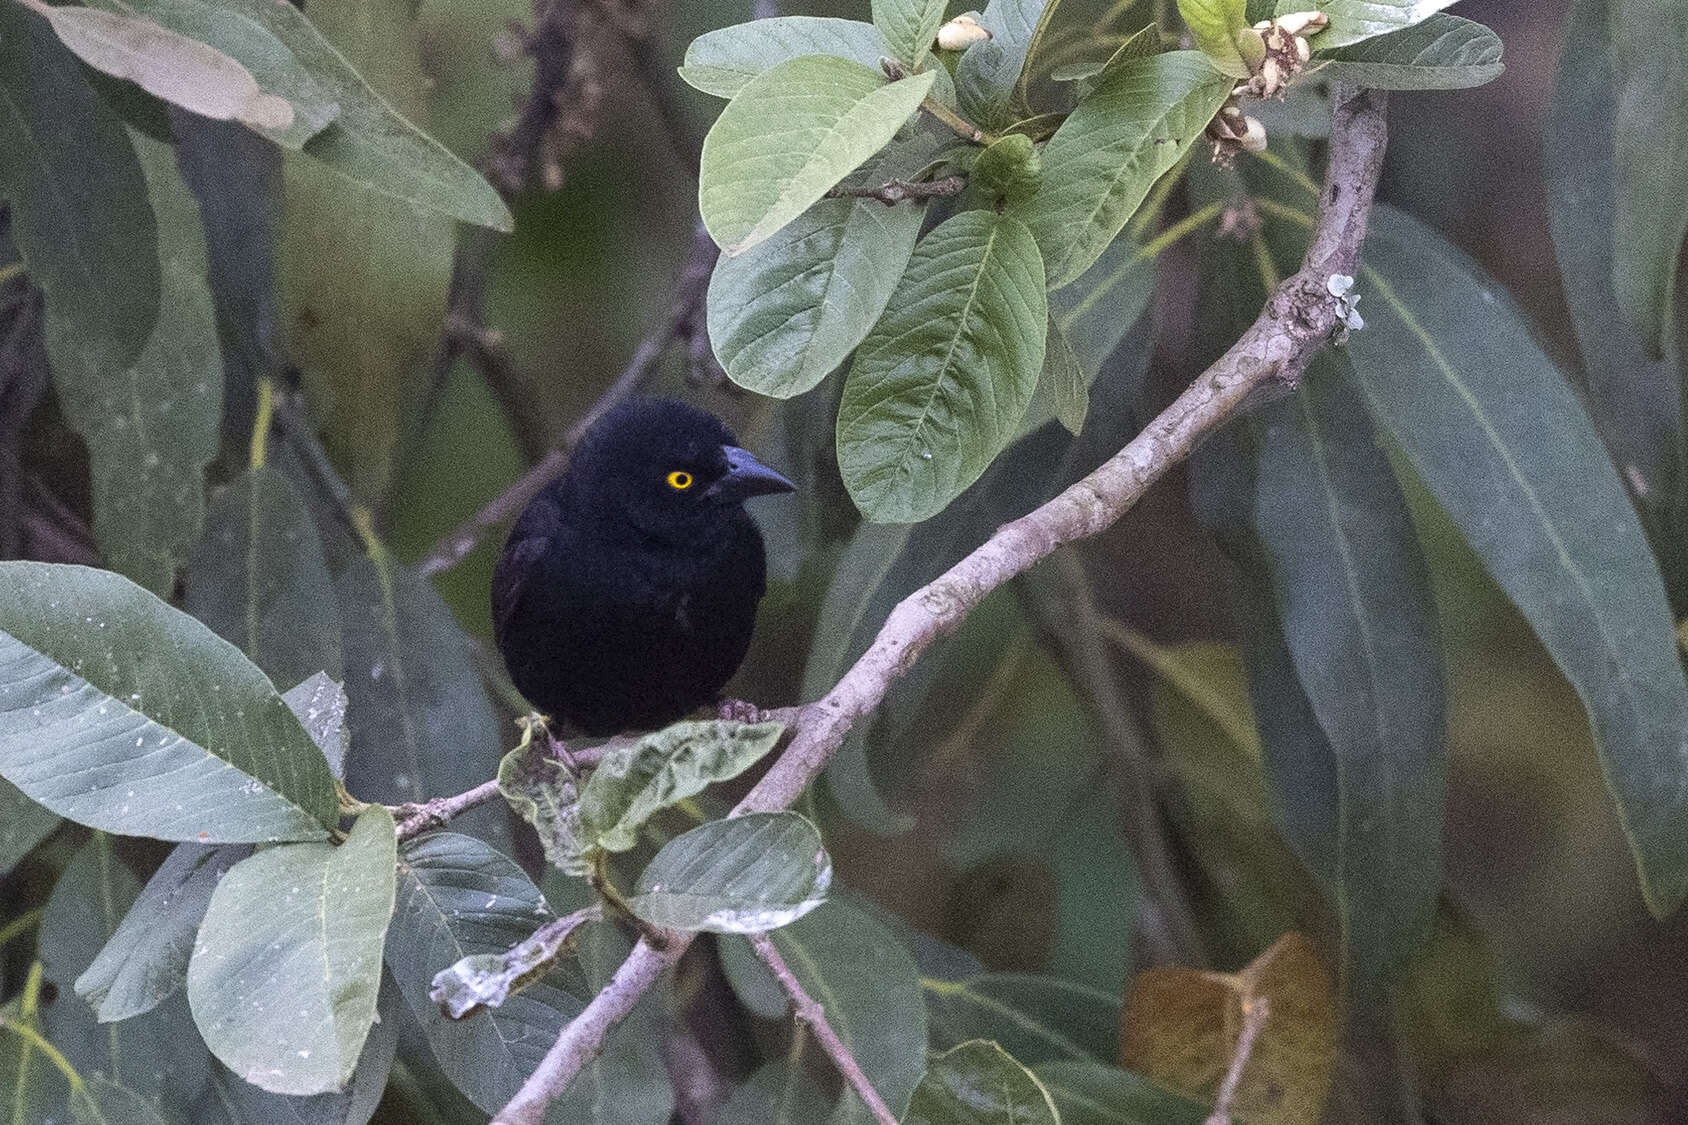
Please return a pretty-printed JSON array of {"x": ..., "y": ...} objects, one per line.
[
  {"x": 1256, "y": 1010},
  {"x": 896, "y": 191},
  {"x": 261, "y": 421},
  {"x": 599, "y": 877},
  {"x": 962, "y": 127},
  {"x": 22, "y": 924},
  {"x": 809, "y": 1012}
]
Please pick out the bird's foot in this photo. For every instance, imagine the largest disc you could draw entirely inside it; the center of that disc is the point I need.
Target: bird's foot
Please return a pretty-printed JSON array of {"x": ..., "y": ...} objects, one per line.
[{"x": 739, "y": 711}]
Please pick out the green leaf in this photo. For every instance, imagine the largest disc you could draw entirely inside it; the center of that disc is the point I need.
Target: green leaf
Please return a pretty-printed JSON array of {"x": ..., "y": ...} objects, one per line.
[
  {"x": 1008, "y": 167},
  {"x": 978, "y": 1083},
  {"x": 787, "y": 312},
  {"x": 1449, "y": 367},
  {"x": 258, "y": 578},
  {"x": 23, "y": 824},
  {"x": 124, "y": 714},
  {"x": 1088, "y": 1093},
  {"x": 320, "y": 706},
  {"x": 146, "y": 959},
  {"x": 833, "y": 114},
  {"x": 1442, "y": 53},
  {"x": 1143, "y": 43},
  {"x": 1215, "y": 24},
  {"x": 487, "y": 980},
  {"x": 80, "y": 214},
  {"x": 1037, "y": 1019},
  {"x": 1649, "y": 49},
  {"x": 722, "y": 61},
  {"x": 869, "y": 986},
  {"x": 1063, "y": 388},
  {"x": 1354, "y": 596},
  {"x": 545, "y": 793},
  {"x": 104, "y": 1102},
  {"x": 742, "y": 875},
  {"x": 265, "y": 45},
  {"x": 1095, "y": 312},
  {"x": 909, "y": 26},
  {"x": 1102, "y": 161},
  {"x": 287, "y": 965},
  {"x": 992, "y": 75},
  {"x": 458, "y": 897},
  {"x": 419, "y": 718},
  {"x": 632, "y": 783},
  {"x": 1636, "y": 402},
  {"x": 940, "y": 385},
  {"x": 182, "y": 71},
  {"x": 1354, "y": 20},
  {"x": 779, "y": 1093}
]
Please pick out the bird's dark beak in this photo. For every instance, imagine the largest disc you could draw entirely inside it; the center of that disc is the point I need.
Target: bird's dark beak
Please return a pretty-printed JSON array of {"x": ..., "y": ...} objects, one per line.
[{"x": 746, "y": 477}]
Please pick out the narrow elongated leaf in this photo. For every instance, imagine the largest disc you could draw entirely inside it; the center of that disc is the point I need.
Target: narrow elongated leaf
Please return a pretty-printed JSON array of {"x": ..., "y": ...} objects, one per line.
[
  {"x": 183, "y": 71},
  {"x": 870, "y": 988},
  {"x": 419, "y": 718},
  {"x": 146, "y": 959},
  {"x": 457, "y": 897},
  {"x": 742, "y": 875},
  {"x": 1450, "y": 369},
  {"x": 991, "y": 77},
  {"x": 1354, "y": 20},
  {"x": 80, "y": 214},
  {"x": 1636, "y": 401},
  {"x": 258, "y": 577},
  {"x": 285, "y": 973},
  {"x": 787, "y": 312},
  {"x": 908, "y": 26},
  {"x": 262, "y": 44},
  {"x": 23, "y": 824},
  {"x": 1445, "y": 52},
  {"x": 1102, "y": 161},
  {"x": 1650, "y": 55},
  {"x": 1036, "y": 1019},
  {"x": 633, "y": 783},
  {"x": 156, "y": 1054},
  {"x": 978, "y": 1083},
  {"x": 940, "y": 385},
  {"x": 1063, "y": 388},
  {"x": 831, "y": 114},
  {"x": 486, "y": 980},
  {"x": 122, "y": 713},
  {"x": 1215, "y": 24},
  {"x": 1088, "y": 1093},
  {"x": 1354, "y": 596},
  {"x": 151, "y": 427},
  {"x": 722, "y": 61}
]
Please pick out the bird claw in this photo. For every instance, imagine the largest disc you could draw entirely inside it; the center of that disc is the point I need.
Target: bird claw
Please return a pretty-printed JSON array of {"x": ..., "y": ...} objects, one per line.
[{"x": 739, "y": 711}]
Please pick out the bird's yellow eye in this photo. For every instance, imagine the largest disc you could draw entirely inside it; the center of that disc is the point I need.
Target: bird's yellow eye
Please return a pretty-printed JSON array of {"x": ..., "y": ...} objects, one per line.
[{"x": 679, "y": 480}]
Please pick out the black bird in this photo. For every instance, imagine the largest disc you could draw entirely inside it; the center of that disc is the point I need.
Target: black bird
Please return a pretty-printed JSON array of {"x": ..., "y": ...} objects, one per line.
[{"x": 627, "y": 590}]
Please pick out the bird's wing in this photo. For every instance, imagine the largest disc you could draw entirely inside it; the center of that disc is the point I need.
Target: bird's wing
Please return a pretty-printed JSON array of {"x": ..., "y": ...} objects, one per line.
[{"x": 510, "y": 577}]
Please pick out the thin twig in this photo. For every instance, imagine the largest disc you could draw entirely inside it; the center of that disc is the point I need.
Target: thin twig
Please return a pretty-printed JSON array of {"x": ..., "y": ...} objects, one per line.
[
  {"x": 1256, "y": 1011},
  {"x": 1297, "y": 321},
  {"x": 418, "y": 817},
  {"x": 682, "y": 318},
  {"x": 808, "y": 1010},
  {"x": 895, "y": 191}
]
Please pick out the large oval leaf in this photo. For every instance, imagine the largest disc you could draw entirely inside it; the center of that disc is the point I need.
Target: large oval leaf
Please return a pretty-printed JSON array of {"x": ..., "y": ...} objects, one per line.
[
  {"x": 79, "y": 205},
  {"x": 1037, "y": 1018},
  {"x": 940, "y": 385},
  {"x": 1354, "y": 20},
  {"x": 122, "y": 713},
  {"x": 1650, "y": 55},
  {"x": 786, "y": 313},
  {"x": 1088, "y": 1093},
  {"x": 722, "y": 61},
  {"x": 287, "y": 966},
  {"x": 742, "y": 875},
  {"x": 978, "y": 1083},
  {"x": 908, "y": 26},
  {"x": 1449, "y": 367},
  {"x": 458, "y": 897},
  {"x": 1443, "y": 53},
  {"x": 1102, "y": 161},
  {"x": 789, "y": 135},
  {"x": 259, "y": 578}
]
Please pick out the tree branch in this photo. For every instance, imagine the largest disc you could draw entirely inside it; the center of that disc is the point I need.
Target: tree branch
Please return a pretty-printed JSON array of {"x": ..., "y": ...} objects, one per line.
[
  {"x": 1255, "y": 1013},
  {"x": 683, "y": 313},
  {"x": 1297, "y": 321},
  {"x": 809, "y": 1010},
  {"x": 895, "y": 191}
]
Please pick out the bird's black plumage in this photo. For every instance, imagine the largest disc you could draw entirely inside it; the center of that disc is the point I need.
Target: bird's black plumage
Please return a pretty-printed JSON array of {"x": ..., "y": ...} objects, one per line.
[{"x": 627, "y": 590}]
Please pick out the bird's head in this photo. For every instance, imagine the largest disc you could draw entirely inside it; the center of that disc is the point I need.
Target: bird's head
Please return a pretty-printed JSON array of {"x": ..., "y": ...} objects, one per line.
[{"x": 665, "y": 468}]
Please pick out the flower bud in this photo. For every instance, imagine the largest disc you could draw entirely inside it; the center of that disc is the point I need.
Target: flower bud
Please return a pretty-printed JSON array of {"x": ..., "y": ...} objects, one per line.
[
  {"x": 1299, "y": 23},
  {"x": 961, "y": 33},
  {"x": 1254, "y": 135}
]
